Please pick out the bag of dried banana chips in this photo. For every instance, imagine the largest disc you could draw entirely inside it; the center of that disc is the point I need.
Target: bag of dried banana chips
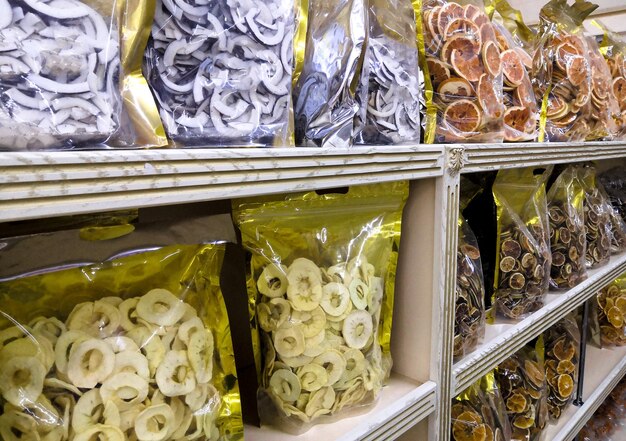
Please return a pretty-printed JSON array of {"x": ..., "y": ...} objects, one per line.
[
  {"x": 463, "y": 65},
  {"x": 608, "y": 316},
  {"x": 568, "y": 242},
  {"x": 389, "y": 90},
  {"x": 71, "y": 76},
  {"x": 120, "y": 336},
  {"x": 323, "y": 270},
  {"x": 562, "y": 346},
  {"x": 221, "y": 71},
  {"x": 523, "y": 259}
]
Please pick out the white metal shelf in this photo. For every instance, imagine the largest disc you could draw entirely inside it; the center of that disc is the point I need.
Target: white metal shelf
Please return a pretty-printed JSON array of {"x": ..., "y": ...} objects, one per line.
[
  {"x": 504, "y": 338},
  {"x": 604, "y": 368},
  {"x": 401, "y": 405}
]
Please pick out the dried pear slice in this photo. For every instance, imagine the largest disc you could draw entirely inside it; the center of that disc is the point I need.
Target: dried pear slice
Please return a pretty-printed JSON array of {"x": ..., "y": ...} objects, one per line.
[
  {"x": 305, "y": 285},
  {"x": 357, "y": 329},
  {"x": 154, "y": 423},
  {"x": 312, "y": 377},
  {"x": 90, "y": 363},
  {"x": 289, "y": 342},
  {"x": 160, "y": 307},
  {"x": 334, "y": 363},
  {"x": 98, "y": 319},
  {"x": 463, "y": 115},
  {"x": 273, "y": 281},
  {"x": 21, "y": 379}
]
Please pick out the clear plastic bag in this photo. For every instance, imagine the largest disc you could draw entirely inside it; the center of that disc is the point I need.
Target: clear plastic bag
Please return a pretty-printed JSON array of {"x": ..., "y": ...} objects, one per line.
[
  {"x": 597, "y": 220},
  {"x": 614, "y": 183},
  {"x": 325, "y": 102},
  {"x": 135, "y": 345},
  {"x": 66, "y": 80},
  {"x": 322, "y": 280},
  {"x": 523, "y": 249},
  {"x": 618, "y": 226},
  {"x": 462, "y": 58},
  {"x": 568, "y": 241},
  {"x": 221, "y": 71},
  {"x": 610, "y": 318},
  {"x": 389, "y": 91}
]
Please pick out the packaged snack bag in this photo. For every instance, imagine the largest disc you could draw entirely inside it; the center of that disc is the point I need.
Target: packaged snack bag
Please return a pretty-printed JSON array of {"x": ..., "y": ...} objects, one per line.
[
  {"x": 597, "y": 220},
  {"x": 610, "y": 319}
]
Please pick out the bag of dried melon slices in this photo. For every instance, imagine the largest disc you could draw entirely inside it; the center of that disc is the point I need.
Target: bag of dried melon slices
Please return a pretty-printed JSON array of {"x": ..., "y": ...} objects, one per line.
[
  {"x": 323, "y": 270},
  {"x": 462, "y": 63},
  {"x": 71, "y": 76},
  {"x": 122, "y": 332}
]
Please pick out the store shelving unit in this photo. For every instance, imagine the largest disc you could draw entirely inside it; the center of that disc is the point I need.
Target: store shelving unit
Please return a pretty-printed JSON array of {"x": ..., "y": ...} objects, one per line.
[{"x": 416, "y": 403}]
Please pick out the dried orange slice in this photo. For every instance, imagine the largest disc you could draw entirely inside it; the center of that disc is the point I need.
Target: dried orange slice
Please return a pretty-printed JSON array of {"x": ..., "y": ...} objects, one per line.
[
  {"x": 464, "y": 44},
  {"x": 621, "y": 304},
  {"x": 523, "y": 422},
  {"x": 525, "y": 95},
  {"x": 557, "y": 107},
  {"x": 467, "y": 67},
  {"x": 471, "y": 11},
  {"x": 512, "y": 67},
  {"x": 564, "y": 350},
  {"x": 516, "y": 403},
  {"x": 577, "y": 70},
  {"x": 517, "y": 118},
  {"x": 535, "y": 375},
  {"x": 564, "y": 52},
  {"x": 448, "y": 12},
  {"x": 566, "y": 385},
  {"x": 480, "y": 18},
  {"x": 503, "y": 43},
  {"x": 468, "y": 427},
  {"x": 491, "y": 58},
  {"x": 487, "y": 97},
  {"x": 463, "y": 115},
  {"x": 527, "y": 60},
  {"x": 615, "y": 317},
  {"x": 565, "y": 367},
  {"x": 439, "y": 71},
  {"x": 619, "y": 89},
  {"x": 487, "y": 33},
  {"x": 461, "y": 25},
  {"x": 454, "y": 88}
]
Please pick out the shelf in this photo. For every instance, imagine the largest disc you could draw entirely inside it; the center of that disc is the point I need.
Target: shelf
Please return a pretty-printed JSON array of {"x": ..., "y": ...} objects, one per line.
[
  {"x": 40, "y": 184},
  {"x": 483, "y": 157},
  {"x": 401, "y": 405},
  {"x": 503, "y": 339},
  {"x": 603, "y": 370}
]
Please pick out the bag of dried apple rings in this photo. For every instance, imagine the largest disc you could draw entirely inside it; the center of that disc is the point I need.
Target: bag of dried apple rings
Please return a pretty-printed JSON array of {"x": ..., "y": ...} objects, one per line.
[
  {"x": 122, "y": 332},
  {"x": 523, "y": 246},
  {"x": 463, "y": 61},
  {"x": 562, "y": 76},
  {"x": 523, "y": 387},
  {"x": 597, "y": 219},
  {"x": 389, "y": 90},
  {"x": 562, "y": 343},
  {"x": 68, "y": 83},
  {"x": 610, "y": 314},
  {"x": 568, "y": 242},
  {"x": 480, "y": 412},
  {"x": 323, "y": 268},
  {"x": 221, "y": 71}
]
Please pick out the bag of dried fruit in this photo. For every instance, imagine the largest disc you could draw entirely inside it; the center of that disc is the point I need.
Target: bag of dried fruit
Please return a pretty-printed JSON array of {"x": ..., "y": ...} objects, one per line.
[
  {"x": 568, "y": 242},
  {"x": 562, "y": 76},
  {"x": 389, "y": 90},
  {"x": 609, "y": 315},
  {"x": 463, "y": 66},
  {"x": 597, "y": 219},
  {"x": 480, "y": 413},
  {"x": 618, "y": 226},
  {"x": 121, "y": 332},
  {"x": 222, "y": 71},
  {"x": 562, "y": 344},
  {"x": 523, "y": 259},
  {"x": 522, "y": 382},
  {"x": 323, "y": 268},
  {"x": 71, "y": 76}
]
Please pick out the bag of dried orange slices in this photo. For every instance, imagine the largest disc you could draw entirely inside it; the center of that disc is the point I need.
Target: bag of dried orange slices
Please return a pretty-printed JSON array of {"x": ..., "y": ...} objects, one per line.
[
  {"x": 122, "y": 332},
  {"x": 480, "y": 413},
  {"x": 562, "y": 76},
  {"x": 463, "y": 72},
  {"x": 523, "y": 259},
  {"x": 323, "y": 271},
  {"x": 608, "y": 324}
]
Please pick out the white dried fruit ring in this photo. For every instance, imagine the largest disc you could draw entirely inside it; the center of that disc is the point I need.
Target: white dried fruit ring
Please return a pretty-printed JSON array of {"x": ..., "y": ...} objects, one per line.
[
  {"x": 120, "y": 343},
  {"x": 286, "y": 385},
  {"x": 10, "y": 334},
  {"x": 313, "y": 350},
  {"x": 115, "y": 301},
  {"x": 305, "y": 285},
  {"x": 340, "y": 318},
  {"x": 320, "y": 402},
  {"x": 51, "y": 328},
  {"x": 339, "y": 273},
  {"x": 150, "y": 346},
  {"x": 279, "y": 311},
  {"x": 90, "y": 363},
  {"x": 128, "y": 417},
  {"x": 357, "y": 329},
  {"x": 289, "y": 342},
  {"x": 359, "y": 293},
  {"x": 128, "y": 313},
  {"x": 273, "y": 281},
  {"x": 64, "y": 347},
  {"x": 296, "y": 362},
  {"x": 202, "y": 394},
  {"x": 101, "y": 432},
  {"x": 34, "y": 345},
  {"x": 335, "y": 298},
  {"x": 55, "y": 383},
  {"x": 13, "y": 422},
  {"x": 334, "y": 363},
  {"x": 154, "y": 423},
  {"x": 89, "y": 410},
  {"x": 21, "y": 379},
  {"x": 200, "y": 355},
  {"x": 174, "y": 376},
  {"x": 99, "y": 319},
  {"x": 307, "y": 264},
  {"x": 160, "y": 307},
  {"x": 188, "y": 328},
  {"x": 125, "y": 389},
  {"x": 355, "y": 364},
  {"x": 67, "y": 403},
  {"x": 312, "y": 322},
  {"x": 133, "y": 362},
  {"x": 312, "y": 377}
]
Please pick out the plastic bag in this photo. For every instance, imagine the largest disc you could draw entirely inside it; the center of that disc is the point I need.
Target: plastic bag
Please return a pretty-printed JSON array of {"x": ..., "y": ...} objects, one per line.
[
  {"x": 614, "y": 183},
  {"x": 562, "y": 343},
  {"x": 568, "y": 241},
  {"x": 136, "y": 345},
  {"x": 480, "y": 413},
  {"x": 322, "y": 270},
  {"x": 523, "y": 266},
  {"x": 523, "y": 386},
  {"x": 562, "y": 72},
  {"x": 221, "y": 71},
  {"x": 464, "y": 90},
  {"x": 597, "y": 220},
  {"x": 66, "y": 80},
  {"x": 389, "y": 90},
  {"x": 611, "y": 318},
  {"x": 618, "y": 226},
  {"x": 325, "y": 92}
]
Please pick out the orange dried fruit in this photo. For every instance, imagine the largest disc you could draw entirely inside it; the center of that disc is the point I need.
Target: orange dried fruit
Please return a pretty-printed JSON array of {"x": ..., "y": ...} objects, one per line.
[
  {"x": 524, "y": 94},
  {"x": 615, "y": 317},
  {"x": 621, "y": 304},
  {"x": 564, "y": 52},
  {"x": 468, "y": 427},
  {"x": 523, "y": 422},
  {"x": 564, "y": 350},
  {"x": 487, "y": 33},
  {"x": 491, "y": 58},
  {"x": 520, "y": 434},
  {"x": 464, "y": 44},
  {"x": 471, "y": 11},
  {"x": 619, "y": 89},
  {"x": 488, "y": 433},
  {"x": 516, "y": 403},
  {"x": 566, "y": 385},
  {"x": 527, "y": 60},
  {"x": 448, "y": 12},
  {"x": 535, "y": 375},
  {"x": 517, "y": 118},
  {"x": 439, "y": 71},
  {"x": 461, "y": 25},
  {"x": 431, "y": 20},
  {"x": 480, "y": 18},
  {"x": 565, "y": 367},
  {"x": 467, "y": 67},
  {"x": 488, "y": 98},
  {"x": 577, "y": 70},
  {"x": 453, "y": 88},
  {"x": 512, "y": 67},
  {"x": 463, "y": 115},
  {"x": 557, "y": 107}
]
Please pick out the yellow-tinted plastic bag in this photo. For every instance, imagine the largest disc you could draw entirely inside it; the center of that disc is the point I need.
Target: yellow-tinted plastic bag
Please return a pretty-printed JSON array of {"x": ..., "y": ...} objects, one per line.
[
  {"x": 610, "y": 320},
  {"x": 322, "y": 270},
  {"x": 597, "y": 219}
]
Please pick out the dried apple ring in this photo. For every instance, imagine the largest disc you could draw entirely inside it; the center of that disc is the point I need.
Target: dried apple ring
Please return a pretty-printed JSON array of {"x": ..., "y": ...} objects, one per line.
[
  {"x": 21, "y": 379},
  {"x": 189, "y": 327},
  {"x": 355, "y": 364},
  {"x": 128, "y": 417},
  {"x": 202, "y": 394},
  {"x": 357, "y": 329},
  {"x": 174, "y": 376},
  {"x": 359, "y": 293},
  {"x": 150, "y": 346},
  {"x": 98, "y": 319},
  {"x": 320, "y": 402},
  {"x": 286, "y": 385},
  {"x": 335, "y": 298},
  {"x": 90, "y": 363},
  {"x": 120, "y": 343},
  {"x": 273, "y": 281},
  {"x": 312, "y": 322},
  {"x": 463, "y": 115},
  {"x": 128, "y": 314},
  {"x": 289, "y": 342},
  {"x": 298, "y": 361},
  {"x": 305, "y": 285},
  {"x": 32, "y": 346},
  {"x": 154, "y": 423},
  {"x": 101, "y": 432},
  {"x": 17, "y": 426},
  {"x": 51, "y": 328},
  {"x": 89, "y": 410},
  {"x": 10, "y": 334},
  {"x": 183, "y": 425},
  {"x": 133, "y": 362},
  {"x": 273, "y": 314},
  {"x": 200, "y": 355},
  {"x": 125, "y": 389},
  {"x": 377, "y": 292},
  {"x": 334, "y": 363},
  {"x": 55, "y": 383},
  {"x": 161, "y": 307},
  {"x": 312, "y": 377}
]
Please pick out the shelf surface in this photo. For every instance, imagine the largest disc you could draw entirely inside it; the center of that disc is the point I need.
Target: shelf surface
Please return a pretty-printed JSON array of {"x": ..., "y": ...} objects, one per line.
[
  {"x": 402, "y": 404},
  {"x": 503, "y": 339},
  {"x": 40, "y": 184},
  {"x": 604, "y": 368}
]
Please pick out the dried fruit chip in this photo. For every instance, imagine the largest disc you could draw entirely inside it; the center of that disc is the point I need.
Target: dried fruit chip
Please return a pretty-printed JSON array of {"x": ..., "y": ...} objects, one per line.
[
  {"x": 512, "y": 67},
  {"x": 516, "y": 403},
  {"x": 466, "y": 65},
  {"x": 535, "y": 375},
  {"x": 523, "y": 422},
  {"x": 615, "y": 317},
  {"x": 489, "y": 100},
  {"x": 448, "y": 12},
  {"x": 578, "y": 70},
  {"x": 463, "y": 115},
  {"x": 463, "y": 44},
  {"x": 517, "y": 118},
  {"x": 566, "y": 385},
  {"x": 439, "y": 71},
  {"x": 491, "y": 56},
  {"x": 454, "y": 88}
]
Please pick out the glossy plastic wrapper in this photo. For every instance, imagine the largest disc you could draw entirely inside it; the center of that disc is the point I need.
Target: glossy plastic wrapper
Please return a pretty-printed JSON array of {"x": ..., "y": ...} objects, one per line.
[
  {"x": 618, "y": 225},
  {"x": 222, "y": 70},
  {"x": 67, "y": 82},
  {"x": 608, "y": 326},
  {"x": 322, "y": 282},
  {"x": 134, "y": 345},
  {"x": 597, "y": 220},
  {"x": 389, "y": 90},
  {"x": 614, "y": 183},
  {"x": 523, "y": 258},
  {"x": 480, "y": 413},
  {"x": 464, "y": 66}
]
